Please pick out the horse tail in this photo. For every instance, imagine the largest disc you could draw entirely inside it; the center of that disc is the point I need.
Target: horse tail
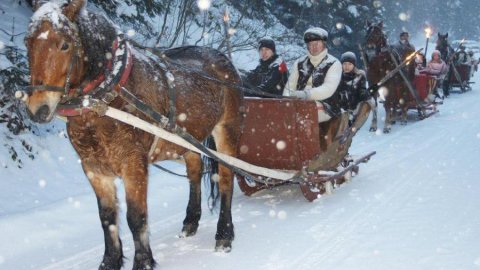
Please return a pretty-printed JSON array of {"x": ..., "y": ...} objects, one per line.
[{"x": 210, "y": 174}]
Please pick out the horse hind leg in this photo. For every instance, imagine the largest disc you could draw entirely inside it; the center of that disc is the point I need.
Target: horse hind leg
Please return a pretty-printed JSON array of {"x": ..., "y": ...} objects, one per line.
[
  {"x": 374, "y": 125},
  {"x": 194, "y": 209},
  {"x": 105, "y": 191},
  {"x": 226, "y": 139},
  {"x": 135, "y": 177}
]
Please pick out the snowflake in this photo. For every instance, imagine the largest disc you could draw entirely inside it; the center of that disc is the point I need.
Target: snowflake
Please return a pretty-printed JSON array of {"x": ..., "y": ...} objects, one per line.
[{"x": 204, "y": 4}]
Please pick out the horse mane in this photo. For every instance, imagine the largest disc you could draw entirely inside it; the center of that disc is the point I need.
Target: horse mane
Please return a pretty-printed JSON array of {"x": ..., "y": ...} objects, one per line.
[{"x": 97, "y": 35}]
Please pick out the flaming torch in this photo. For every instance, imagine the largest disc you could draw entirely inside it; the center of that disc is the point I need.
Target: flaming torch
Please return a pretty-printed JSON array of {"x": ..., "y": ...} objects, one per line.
[
  {"x": 428, "y": 33},
  {"x": 226, "y": 19}
]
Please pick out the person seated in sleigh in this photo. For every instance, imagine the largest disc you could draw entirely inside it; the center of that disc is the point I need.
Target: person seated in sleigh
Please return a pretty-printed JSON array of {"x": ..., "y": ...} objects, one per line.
[
  {"x": 439, "y": 69},
  {"x": 316, "y": 76},
  {"x": 352, "y": 90},
  {"x": 271, "y": 74}
]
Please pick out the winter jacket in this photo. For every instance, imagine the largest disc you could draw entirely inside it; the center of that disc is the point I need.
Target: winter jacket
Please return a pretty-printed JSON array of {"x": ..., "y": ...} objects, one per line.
[
  {"x": 352, "y": 90},
  {"x": 435, "y": 68},
  {"x": 269, "y": 76},
  {"x": 404, "y": 49},
  {"x": 315, "y": 78},
  {"x": 462, "y": 57}
]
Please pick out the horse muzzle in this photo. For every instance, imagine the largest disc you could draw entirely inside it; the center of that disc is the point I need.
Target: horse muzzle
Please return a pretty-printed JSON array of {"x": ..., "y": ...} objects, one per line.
[{"x": 42, "y": 115}]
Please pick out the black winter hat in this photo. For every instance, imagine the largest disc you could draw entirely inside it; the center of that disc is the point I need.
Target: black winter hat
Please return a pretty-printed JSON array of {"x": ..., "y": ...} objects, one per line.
[
  {"x": 267, "y": 43},
  {"x": 349, "y": 57},
  {"x": 404, "y": 33}
]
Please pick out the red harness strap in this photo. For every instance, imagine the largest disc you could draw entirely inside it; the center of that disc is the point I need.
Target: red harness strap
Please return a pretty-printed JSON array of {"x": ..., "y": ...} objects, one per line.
[{"x": 90, "y": 86}]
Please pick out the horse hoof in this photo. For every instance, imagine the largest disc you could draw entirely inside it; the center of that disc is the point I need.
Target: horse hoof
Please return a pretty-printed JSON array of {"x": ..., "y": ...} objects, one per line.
[
  {"x": 189, "y": 230},
  {"x": 386, "y": 130},
  {"x": 224, "y": 246},
  {"x": 403, "y": 123},
  {"x": 110, "y": 263},
  {"x": 373, "y": 129},
  {"x": 143, "y": 262}
]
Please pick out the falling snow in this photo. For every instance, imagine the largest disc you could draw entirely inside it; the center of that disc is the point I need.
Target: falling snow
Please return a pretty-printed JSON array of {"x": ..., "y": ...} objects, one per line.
[{"x": 411, "y": 175}]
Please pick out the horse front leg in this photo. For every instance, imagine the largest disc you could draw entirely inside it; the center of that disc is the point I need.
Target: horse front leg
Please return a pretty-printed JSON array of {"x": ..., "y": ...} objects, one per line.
[
  {"x": 105, "y": 190},
  {"x": 194, "y": 208},
  {"x": 135, "y": 177},
  {"x": 387, "y": 126}
]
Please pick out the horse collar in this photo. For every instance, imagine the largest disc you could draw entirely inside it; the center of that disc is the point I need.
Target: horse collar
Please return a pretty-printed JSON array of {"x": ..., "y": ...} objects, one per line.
[{"x": 116, "y": 75}]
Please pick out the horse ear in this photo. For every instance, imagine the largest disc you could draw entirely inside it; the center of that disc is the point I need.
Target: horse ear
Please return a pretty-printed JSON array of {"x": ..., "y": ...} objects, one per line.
[
  {"x": 439, "y": 34},
  {"x": 380, "y": 24},
  {"x": 446, "y": 35},
  {"x": 73, "y": 9},
  {"x": 368, "y": 23}
]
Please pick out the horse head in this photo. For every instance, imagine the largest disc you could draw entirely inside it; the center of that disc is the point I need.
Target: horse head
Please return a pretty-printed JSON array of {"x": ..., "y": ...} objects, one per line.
[
  {"x": 443, "y": 46},
  {"x": 375, "y": 37},
  {"x": 442, "y": 40},
  {"x": 67, "y": 46},
  {"x": 55, "y": 55}
]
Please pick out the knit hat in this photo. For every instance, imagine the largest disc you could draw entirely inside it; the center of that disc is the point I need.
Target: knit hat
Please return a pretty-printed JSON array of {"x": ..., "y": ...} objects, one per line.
[
  {"x": 315, "y": 33},
  {"x": 404, "y": 33},
  {"x": 349, "y": 57},
  {"x": 267, "y": 43},
  {"x": 436, "y": 52}
]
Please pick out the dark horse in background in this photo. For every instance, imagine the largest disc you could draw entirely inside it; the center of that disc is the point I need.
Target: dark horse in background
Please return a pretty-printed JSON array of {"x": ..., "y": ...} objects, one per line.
[
  {"x": 70, "y": 46},
  {"x": 447, "y": 54},
  {"x": 379, "y": 62}
]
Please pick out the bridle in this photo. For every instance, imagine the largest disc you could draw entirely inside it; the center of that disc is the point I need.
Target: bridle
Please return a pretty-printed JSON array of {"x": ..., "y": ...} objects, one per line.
[
  {"x": 68, "y": 28},
  {"x": 117, "y": 71}
]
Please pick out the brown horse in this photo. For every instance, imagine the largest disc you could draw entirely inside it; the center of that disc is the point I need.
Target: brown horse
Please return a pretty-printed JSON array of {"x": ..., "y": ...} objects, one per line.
[
  {"x": 70, "y": 48},
  {"x": 446, "y": 53},
  {"x": 380, "y": 62}
]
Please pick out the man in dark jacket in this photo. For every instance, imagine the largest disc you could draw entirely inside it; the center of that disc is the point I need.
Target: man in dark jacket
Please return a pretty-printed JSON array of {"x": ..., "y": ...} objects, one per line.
[
  {"x": 271, "y": 75},
  {"x": 403, "y": 47},
  {"x": 352, "y": 90}
]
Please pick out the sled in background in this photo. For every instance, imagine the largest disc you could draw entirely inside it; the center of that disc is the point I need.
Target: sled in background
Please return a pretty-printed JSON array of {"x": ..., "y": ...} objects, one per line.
[
  {"x": 464, "y": 74},
  {"x": 426, "y": 87}
]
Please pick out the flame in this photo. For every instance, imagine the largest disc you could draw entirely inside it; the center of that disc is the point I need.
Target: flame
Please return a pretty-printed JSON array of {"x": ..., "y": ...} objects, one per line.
[
  {"x": 226, "y": 17},
  {"x": 428, "y": 32}
]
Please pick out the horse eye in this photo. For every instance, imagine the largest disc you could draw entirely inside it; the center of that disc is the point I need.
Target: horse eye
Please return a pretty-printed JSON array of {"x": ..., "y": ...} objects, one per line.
[{"x": 65, "y": 46}]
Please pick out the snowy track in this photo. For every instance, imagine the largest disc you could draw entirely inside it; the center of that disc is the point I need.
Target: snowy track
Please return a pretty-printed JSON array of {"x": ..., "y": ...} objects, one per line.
[{"x": 413, "y": 206}]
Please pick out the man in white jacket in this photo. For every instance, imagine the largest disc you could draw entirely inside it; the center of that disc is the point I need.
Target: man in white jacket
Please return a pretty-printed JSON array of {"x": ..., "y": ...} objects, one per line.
[{"x": 316, "y": 76}]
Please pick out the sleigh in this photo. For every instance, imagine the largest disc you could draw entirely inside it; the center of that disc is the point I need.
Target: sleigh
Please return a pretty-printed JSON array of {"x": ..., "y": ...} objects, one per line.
[
  {"x": 459, "y": 78},
  {"x": 425, "y": 86},
  {"x": 284, "y": 134}
]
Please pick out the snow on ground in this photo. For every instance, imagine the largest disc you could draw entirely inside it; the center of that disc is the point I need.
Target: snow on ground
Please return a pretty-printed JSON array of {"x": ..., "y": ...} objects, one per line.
[{"x": 413, "y": 206}]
